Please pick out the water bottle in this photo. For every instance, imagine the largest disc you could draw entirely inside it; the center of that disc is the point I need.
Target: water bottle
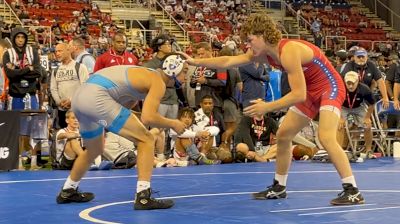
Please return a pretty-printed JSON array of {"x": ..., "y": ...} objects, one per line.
[
  {"x": 259, "y": 148},
  {"x": 27, "y": 102}
]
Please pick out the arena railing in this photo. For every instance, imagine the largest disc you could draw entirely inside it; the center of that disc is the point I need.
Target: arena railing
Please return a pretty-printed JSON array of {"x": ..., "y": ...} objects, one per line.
[
  {"x": 11, "y": 12},
  {"x": 172, "y": 20}
]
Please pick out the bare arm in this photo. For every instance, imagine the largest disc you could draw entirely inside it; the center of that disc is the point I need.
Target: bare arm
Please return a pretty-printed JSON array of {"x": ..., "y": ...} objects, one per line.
[
  {"x": 382, "y": 89},
  {"x": 150, "y": 115},
  {"x": 223, "y": 62},
  {"x": 291, "y": 62},
  {"x": 389, "y": 88},
  {"x": 396, "y": 91}
]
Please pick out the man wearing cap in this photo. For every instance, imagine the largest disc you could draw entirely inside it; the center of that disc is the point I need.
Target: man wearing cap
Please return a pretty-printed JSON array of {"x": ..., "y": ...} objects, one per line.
[
  {"x": 368, "y": 72},
  {"x": 359, "y": 104},
  {"x": 161, "y": 45}
]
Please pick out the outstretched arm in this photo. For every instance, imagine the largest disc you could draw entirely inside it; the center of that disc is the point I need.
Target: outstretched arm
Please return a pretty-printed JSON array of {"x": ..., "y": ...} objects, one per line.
[{"x": 223, "y": 62}]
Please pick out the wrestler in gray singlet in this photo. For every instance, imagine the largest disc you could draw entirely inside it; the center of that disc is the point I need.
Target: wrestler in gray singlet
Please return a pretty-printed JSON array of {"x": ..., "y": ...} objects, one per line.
[{"x": 103, "y": 100}]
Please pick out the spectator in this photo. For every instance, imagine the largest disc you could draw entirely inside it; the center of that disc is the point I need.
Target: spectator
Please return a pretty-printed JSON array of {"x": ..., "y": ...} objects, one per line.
[
  {"x": 184, "y": 145},
  {"x": 354, "y": 108},
  {"x": 4, "y": 45},
  {"x": 65, "y": 80},
  {"x": 80, "y": 55},
  {"x": 253, "y": 76},
  {"x": 208, "y": 81},
  {"x": 368, "y": 73},
  {"x": 253, "y": 137},
  {"x": 68, "y": 142},
  {"x": 22, "y": 68},
  {"x": 117, "y": 55},
  {"x": 207, "y": 116}
]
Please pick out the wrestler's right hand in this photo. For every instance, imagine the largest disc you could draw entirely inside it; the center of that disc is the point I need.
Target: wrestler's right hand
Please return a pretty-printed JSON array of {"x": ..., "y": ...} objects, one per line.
[
  {"x": 178, "y": 126},
  {"x": 187, "y": 58}
]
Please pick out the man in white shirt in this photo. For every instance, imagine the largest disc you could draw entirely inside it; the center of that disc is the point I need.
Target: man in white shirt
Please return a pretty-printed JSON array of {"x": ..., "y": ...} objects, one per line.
[{"x": 65, "y": 80}]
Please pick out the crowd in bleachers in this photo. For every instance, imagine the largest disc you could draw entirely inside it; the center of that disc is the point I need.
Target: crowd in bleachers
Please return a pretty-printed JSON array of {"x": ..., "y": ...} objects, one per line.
[{"x": 210, "y": 100}]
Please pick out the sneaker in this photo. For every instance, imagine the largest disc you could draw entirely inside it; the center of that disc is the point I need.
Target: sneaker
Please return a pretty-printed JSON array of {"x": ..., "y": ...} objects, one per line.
[
  {"x": 144, "y": 201},
  {"x": 275, "y": 191},
  {"x": 349, "y": 196},
  {"x": 205, "y": 161},
  {"x": 73, "y": 195}
]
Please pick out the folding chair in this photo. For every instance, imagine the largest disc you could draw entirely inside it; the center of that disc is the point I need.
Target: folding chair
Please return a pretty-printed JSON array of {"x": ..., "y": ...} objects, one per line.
[{"x": 386, "y": 140}]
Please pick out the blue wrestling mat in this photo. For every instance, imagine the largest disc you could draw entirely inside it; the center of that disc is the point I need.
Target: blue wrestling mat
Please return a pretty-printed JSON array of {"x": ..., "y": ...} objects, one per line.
[{"x": 207, "y": 194}]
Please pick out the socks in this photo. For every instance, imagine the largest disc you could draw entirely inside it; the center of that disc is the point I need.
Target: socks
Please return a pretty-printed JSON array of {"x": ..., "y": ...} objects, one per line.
[
  {"x": 281, "y": 179},
  {"x": 70, "y": 184},
  {"x": 349, "y": 180},
  {"x": 34, "y": 160},
  {"x": 142, "y": 185}
]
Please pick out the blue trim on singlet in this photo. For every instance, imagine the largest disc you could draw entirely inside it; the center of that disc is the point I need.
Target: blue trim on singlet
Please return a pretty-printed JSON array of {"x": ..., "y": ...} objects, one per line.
[
  {"x": 332, "y": 81},
  {"x": 92, "y": 134},
  {"x": 101, "y": 81},
  {"x": 119, "y": 121}
]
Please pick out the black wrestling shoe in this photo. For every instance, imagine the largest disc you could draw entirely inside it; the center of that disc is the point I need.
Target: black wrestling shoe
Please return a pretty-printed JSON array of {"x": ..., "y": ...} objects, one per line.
[
  {"x": 275, "y": 191},
  {"x": 73, "y": 195},
  {"x": 349, "y": 196},
  {"x": 144, "y": 201}
]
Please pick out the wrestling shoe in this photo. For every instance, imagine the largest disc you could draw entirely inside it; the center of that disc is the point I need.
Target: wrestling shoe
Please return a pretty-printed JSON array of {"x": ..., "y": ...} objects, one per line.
[
  {"x": 144, "y": 201},
  {"x": 73, "y": 195},
  {"x": 275, "y": 191},
  {"x": 349, "y": 196}
]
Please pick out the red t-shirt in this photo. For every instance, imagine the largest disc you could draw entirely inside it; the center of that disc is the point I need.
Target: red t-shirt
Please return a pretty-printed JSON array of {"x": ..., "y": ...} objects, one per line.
[{"x": 110, "y": 58}]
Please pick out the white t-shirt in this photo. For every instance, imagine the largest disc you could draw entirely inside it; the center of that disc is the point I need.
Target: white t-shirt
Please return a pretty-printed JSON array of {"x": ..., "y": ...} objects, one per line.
[{"x": 60, "y": 144}]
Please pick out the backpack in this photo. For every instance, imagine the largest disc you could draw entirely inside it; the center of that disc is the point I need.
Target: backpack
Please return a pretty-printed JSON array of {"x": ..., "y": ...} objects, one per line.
[{"x": 83, "y": 56}]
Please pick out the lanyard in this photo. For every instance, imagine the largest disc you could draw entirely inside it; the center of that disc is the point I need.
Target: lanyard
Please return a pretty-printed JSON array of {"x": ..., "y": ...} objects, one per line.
[
  {"x": 211, "y": 120},
  {"x": 259, "y": 132},
  {"x": 112, "y": 53},
  {"x": 361, "y": 74},
  {"x": 352, "y": 103}
]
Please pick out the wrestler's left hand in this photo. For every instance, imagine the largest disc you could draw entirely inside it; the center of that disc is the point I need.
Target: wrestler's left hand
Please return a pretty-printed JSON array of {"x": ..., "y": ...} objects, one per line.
[{"x": 258, "y": 107}]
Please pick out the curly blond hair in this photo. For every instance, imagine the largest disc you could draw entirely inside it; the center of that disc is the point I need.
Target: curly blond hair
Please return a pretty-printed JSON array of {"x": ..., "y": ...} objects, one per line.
[{"x": 261, "y": 24}]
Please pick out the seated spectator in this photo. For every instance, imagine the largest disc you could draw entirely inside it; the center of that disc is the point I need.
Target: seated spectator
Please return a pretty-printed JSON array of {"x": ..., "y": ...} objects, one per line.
[
  {"x": 185, "y": 147},
  {"x": 206, "y": 117},
  {"x": 253, "y": 138},
  {"x": 68, "y": 142},
  {"x": 354, "y": 109},
  {"x": 120, "y": 151}
]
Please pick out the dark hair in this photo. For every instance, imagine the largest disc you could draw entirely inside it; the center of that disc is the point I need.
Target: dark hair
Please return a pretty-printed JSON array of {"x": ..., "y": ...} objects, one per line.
[
  {"x": 206, "y": 97},
  {"x": 159, "y": 41},
  {"x": 186, "y": 111}
]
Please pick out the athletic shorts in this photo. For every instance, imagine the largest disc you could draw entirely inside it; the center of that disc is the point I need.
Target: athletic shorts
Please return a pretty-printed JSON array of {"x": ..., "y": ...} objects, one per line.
[
  {"x": 231, "y": 111},
  {"x": 328, "y": 98},
  {"x": 96, "y": 110}
]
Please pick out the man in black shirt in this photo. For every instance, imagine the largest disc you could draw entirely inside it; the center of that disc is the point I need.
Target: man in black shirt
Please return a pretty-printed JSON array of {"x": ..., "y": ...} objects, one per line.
[
  {"x": 253, "y": 135},
  {"x": 354, "y": 108},
  {"x": 368, "y": 72}
]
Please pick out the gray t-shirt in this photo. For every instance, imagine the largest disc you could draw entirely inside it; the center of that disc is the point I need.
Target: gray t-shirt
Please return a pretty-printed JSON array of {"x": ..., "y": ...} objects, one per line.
[{"x": 170, "y": 97}]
